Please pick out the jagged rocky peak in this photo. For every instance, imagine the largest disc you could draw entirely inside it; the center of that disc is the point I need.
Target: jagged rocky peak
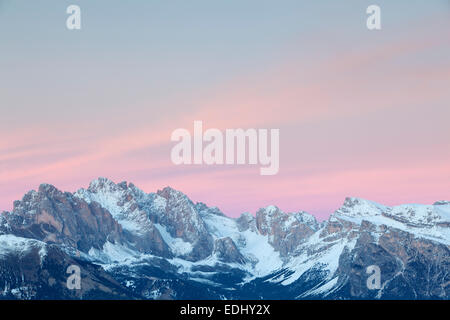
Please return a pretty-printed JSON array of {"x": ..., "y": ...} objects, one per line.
[
  {"x": 352, "y": 214},
  {"x": 33, "y": 197},
  {"x": 178, "y": 204},
  {"x": 267, "y": 218},
  {"x": 285, "y": 230},
  {"x": 24, "y": 205},
  {"x": 132, "y": 209},
  {"x": 53, "y": 216},
  {"x": 49, "y": 190},
  {"x": 167, "y": 192},
  {"x": 360, "y": 207},
  {"x": 203, "y": 209},
  {"x": 182, "y": 220},
  {"x": 308, "y": 219},
  {"x": 142, "y": 214},
  {"x": 173, "y": 195},
  {"x": 34, "y": 201},
  {"x": 102, "y": 183},
  {"x": 106, "y": 185},
  {"x": 124, "y": 201}
]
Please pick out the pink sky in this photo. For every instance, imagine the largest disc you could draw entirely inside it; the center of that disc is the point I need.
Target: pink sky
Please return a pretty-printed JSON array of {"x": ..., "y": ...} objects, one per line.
[{"x": 370, "y": 122}]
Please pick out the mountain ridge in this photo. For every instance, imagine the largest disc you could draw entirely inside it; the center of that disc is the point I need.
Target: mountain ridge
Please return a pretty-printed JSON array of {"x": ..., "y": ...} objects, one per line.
[{"x": 164, "y": 236}]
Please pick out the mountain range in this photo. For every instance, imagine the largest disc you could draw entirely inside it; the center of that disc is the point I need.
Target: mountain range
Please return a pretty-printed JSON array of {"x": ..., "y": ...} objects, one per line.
[{"x": 130, "y": 244}]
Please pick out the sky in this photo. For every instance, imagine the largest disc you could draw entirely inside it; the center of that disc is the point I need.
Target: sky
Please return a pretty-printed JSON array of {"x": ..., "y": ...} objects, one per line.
[{"x": 361, "y": 113}]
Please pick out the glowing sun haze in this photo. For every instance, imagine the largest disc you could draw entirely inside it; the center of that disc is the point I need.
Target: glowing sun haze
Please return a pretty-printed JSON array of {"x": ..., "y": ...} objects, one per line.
[{"x": 361, "y": 113}]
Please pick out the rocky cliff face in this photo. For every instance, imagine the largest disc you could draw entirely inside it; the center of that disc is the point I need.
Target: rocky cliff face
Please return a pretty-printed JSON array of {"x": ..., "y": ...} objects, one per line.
[
  {"x": 130, "y": 207},
  {"x": 285, "y": 231},
  {"x": 182, "y": 220},
  {"x": 227, "y": 251},
  {"x": 52, "y": 216},
  {"x": 130, "y": 244},
  {"x": 411, "y": 268}
]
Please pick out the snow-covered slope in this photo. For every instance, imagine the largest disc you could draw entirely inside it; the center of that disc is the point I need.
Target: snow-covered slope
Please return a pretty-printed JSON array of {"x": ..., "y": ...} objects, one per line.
[
  {"x": 427, "y": 221},
  {"x": 10, "y": 244}
]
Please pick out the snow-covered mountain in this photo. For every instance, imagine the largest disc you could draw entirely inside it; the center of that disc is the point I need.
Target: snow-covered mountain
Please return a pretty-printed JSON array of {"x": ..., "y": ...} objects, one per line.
[{"x": 130, "y": 244}]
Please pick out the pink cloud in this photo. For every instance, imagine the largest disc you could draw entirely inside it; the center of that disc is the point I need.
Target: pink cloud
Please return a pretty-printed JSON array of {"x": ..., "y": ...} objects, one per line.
[{"x": 316, "y": 102}]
